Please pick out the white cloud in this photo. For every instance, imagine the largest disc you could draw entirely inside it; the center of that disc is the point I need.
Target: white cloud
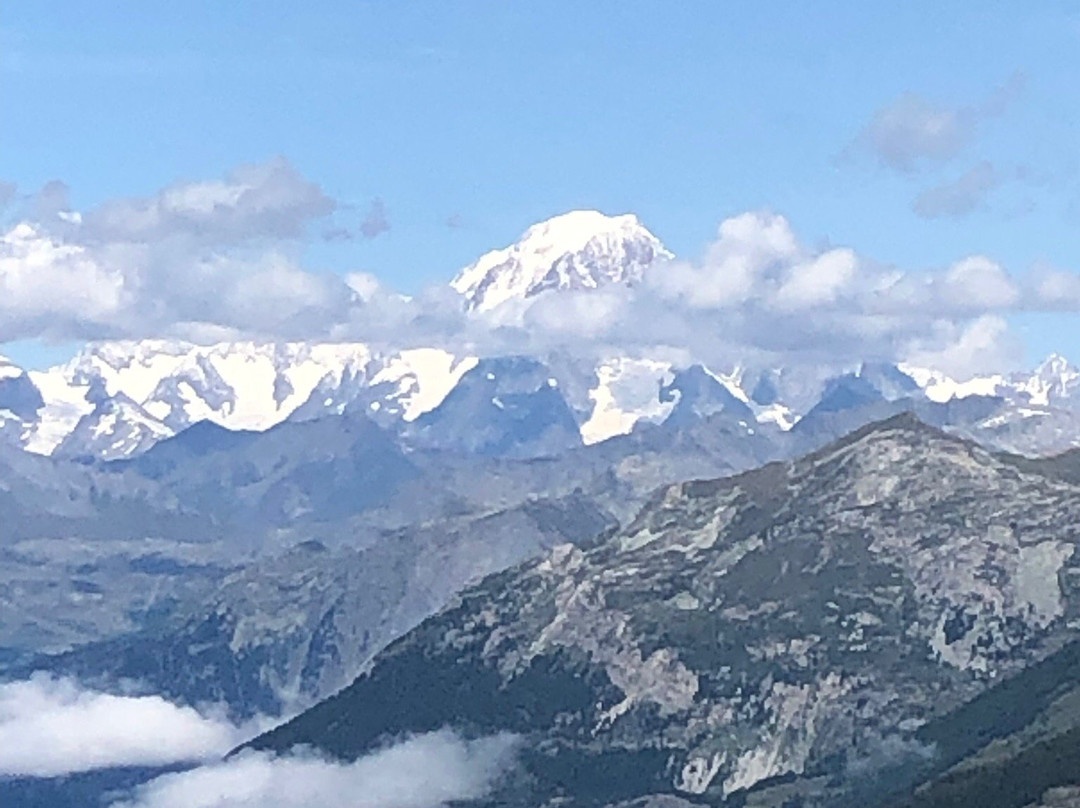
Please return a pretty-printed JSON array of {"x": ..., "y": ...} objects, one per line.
[
  {"x": 48, "y": 287},
  {"x": 978, "y": 283},
  {"x": 818, "y": 281},
  {"x": 365, "y": 285},
  {"x": 51, "y": 727},
  {"x": 218, "y": 254},
  {"x": 746, "y": 248},
  {"x": 422, "y": 772},
  {"x": 221, "y": 259},
  {"x": 984, "y": 345},
  {"x": 587, "y": 313}
]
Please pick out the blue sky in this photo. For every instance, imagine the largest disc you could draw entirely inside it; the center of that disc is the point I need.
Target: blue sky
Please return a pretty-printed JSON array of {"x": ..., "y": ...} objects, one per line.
[{"x": 494, "y": 115}]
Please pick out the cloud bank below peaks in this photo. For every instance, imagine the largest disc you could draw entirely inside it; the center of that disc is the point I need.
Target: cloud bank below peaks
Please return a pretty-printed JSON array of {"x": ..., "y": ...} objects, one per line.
[
  {"x": 218, "y": 260},
  {"x": 760, "y": 292}
]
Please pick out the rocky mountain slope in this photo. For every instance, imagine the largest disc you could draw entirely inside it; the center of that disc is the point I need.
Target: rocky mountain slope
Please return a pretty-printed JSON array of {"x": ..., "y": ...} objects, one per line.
[
  {"x": 798, "y": 621},
  {"x": 281, "y": 633},
  {"x": 90, "y": 551}
]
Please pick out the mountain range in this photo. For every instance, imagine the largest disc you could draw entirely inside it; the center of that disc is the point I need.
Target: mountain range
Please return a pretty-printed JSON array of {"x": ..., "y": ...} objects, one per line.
[
  {"x": 116, "y": 399},
  {"x": 678, "y": 583}
]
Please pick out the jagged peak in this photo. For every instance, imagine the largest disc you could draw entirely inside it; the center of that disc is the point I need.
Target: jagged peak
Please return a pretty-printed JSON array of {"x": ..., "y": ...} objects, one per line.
[
  {"x": 904, "y": 422},
  {"x": 1055, "y": 366}
]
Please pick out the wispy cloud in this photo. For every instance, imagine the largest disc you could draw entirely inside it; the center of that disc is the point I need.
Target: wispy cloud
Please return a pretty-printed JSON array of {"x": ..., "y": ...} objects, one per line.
[
  {"x": 960, "y": 196},
  {"x": 375, "y": 221}
]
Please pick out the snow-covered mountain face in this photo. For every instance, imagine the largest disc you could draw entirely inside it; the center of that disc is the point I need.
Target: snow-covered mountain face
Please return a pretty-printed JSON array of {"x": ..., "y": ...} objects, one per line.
[
  {"x": 583, "y": 249},
  {"x": 117, "y": 399}
]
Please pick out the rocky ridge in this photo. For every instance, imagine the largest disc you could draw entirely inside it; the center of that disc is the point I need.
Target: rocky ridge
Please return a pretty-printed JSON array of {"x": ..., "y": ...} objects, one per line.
[{"x": 790, "y": 621}]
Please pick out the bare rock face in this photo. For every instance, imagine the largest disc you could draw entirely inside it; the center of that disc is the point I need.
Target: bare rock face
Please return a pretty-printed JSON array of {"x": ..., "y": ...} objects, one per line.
[{"x": 802, "y": 620}]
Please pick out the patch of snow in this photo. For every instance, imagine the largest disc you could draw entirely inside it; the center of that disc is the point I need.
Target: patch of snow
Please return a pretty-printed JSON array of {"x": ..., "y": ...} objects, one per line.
[
  {"x": 65, "y": 405},
  {"x": 424, "y": 377},
  {"x": 941, "y": 388},
  {"x": 627, "y": 391},
  {"x": 777, "y": 414}
]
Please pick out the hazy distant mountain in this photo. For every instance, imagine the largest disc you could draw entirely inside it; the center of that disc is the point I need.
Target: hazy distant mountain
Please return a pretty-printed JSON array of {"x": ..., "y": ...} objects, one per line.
[
  {"x": 509, "y": 406},
  {"x": 284, "y": 632}
]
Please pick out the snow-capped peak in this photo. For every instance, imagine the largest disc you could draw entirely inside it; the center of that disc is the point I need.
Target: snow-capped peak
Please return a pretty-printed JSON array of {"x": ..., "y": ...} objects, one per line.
[{"x": 583, "y": 249}]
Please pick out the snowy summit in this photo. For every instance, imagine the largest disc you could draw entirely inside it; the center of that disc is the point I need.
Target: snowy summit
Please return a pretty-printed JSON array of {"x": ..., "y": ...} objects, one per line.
[{"x": 583, "y": 249}]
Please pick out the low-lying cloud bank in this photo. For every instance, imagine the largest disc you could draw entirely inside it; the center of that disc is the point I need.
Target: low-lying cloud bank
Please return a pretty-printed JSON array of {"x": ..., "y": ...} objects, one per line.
[
  {"x": 425, "y": 771},
  {"x": 51, "y": 727}
]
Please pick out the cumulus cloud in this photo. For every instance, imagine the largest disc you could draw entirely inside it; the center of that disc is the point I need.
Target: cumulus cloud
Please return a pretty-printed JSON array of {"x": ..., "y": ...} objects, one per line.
[
  {"x": 425, "y": 771},
  {"x": 757, "y": 259},
  {"x": 51, "y": 727},
  {"x": 913, "y": 132},
  {"x": 55, "y": 289},
  {"x": 818, "y": 281},
  {"x": 588, "y": 313},
  {"x": 209, "y": 255},
  {"x": 979, "y": 283},
  {"x": 222, "y": 259},
  {"x": 961, "y": 351},
  {"x": 958, "y": 197},
  {"x": 761, "y": 296}
]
